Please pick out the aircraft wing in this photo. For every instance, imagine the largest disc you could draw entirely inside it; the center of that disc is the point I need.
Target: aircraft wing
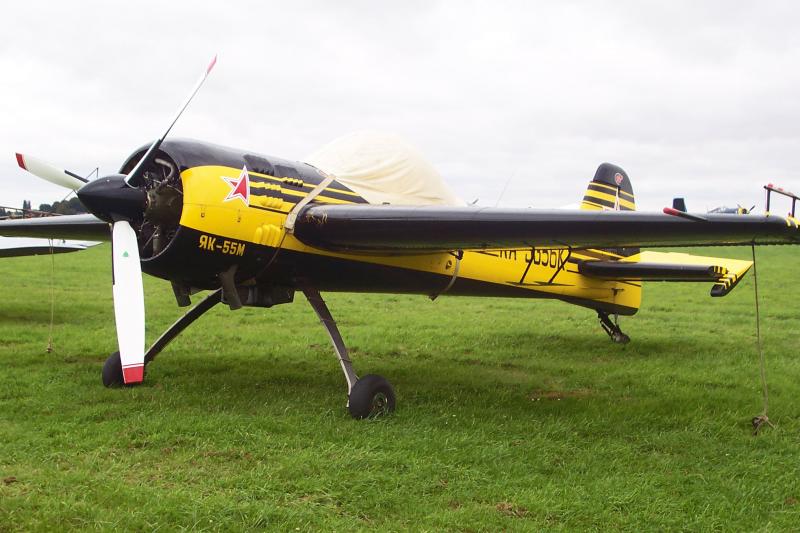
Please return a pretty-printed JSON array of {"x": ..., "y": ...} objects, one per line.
[
  {"x": 396, "y": 229},
  {"x": 21, "y": 246},
  {"x": 81, "y": 227}
]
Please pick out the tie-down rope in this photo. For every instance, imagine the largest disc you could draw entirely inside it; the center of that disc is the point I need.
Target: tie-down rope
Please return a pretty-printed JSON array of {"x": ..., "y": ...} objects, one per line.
[{"x": 761, "y": 419}]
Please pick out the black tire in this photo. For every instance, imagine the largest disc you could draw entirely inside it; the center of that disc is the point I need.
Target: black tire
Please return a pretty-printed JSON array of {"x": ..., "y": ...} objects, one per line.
[
  {"x": 372, "y": 396},
  {"x": 112, "y": 371}
]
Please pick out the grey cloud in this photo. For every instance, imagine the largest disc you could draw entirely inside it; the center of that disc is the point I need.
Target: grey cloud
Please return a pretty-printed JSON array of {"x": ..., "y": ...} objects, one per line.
[{"x": 693, "y": 99}]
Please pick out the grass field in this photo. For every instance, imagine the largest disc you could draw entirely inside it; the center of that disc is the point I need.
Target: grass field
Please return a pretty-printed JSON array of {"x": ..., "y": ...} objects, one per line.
[{"x": 512, "y": 414}]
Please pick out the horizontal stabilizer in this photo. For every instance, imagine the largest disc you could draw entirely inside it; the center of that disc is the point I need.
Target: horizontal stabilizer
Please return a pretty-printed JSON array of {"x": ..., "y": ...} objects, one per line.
[{"x": 659, "y": 266}]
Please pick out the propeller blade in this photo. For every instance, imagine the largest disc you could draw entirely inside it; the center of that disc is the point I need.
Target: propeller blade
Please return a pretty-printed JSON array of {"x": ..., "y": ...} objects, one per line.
[
  {"x": 50, "y": 173},
  {"x": 128, "y": 301},
  {"x": 134, "y": 175}
]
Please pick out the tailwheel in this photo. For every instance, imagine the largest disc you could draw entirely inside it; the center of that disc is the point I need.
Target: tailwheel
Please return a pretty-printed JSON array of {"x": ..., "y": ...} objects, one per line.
[
  {"x": 612, "y": 328},
  {"x": 620, "y": 338},
  {"x": 372, "y": 396}
]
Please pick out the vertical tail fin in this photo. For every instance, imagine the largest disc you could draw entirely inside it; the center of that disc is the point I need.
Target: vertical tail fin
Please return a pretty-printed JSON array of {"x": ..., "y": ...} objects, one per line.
[{"x": 610, "y": 189}]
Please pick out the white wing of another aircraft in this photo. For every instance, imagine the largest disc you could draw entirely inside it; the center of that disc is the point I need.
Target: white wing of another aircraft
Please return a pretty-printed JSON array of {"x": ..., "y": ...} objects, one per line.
[{"x": 20, "y": 246}]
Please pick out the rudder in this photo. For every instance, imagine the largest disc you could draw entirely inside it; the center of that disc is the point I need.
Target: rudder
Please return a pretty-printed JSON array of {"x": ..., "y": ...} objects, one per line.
[{"x": 610, "y": 189}]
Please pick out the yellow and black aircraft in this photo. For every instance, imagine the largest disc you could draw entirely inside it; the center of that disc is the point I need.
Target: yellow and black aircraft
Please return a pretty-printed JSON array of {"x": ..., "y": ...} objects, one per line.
[{"x": 255, "y": 229}]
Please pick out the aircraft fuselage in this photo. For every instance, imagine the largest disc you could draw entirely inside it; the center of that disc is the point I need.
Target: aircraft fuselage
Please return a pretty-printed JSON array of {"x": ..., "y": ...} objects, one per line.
[{"x": 233, "y": 216}]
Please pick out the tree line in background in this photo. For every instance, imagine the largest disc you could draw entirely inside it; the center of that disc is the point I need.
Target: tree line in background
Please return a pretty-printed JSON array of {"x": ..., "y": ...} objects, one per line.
[{"x": 73, "y": 206}]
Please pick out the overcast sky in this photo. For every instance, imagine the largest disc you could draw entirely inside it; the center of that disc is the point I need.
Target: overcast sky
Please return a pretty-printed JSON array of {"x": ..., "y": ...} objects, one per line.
[{"x": 700, "y": 100}]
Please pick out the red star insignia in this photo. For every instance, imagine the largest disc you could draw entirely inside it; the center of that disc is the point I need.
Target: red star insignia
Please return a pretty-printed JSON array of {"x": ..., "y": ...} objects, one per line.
[{"x": 240, "y": 187}]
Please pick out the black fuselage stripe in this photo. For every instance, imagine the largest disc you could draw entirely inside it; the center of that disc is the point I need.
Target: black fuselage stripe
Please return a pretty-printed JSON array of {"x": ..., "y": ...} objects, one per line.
[
  {"x": 604, "y": 202},
  {"x": 609, "y": 189},
  {"x": 330, "y": 192},
  {"x": 268, "y": 193}
]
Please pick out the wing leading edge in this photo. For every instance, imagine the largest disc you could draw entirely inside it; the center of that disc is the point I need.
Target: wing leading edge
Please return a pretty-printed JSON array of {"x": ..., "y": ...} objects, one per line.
[{"x": 395, "y": 229}]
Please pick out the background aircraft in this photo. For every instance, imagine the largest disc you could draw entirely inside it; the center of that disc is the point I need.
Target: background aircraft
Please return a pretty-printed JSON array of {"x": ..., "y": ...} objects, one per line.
[
  {"x": 679, "y": 204},
  {"x": 738, "y": 210},
  {"x": 20, "y": 246},
  {"x": 366, "y": 214}
]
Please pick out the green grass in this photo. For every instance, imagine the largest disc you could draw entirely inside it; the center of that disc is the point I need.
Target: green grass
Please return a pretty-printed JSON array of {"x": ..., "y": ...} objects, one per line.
[{"x": 512, "y": 414}]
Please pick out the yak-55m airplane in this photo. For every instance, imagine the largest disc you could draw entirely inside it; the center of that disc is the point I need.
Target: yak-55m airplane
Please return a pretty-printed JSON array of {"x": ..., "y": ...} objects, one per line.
[{"x": 366, "y": 215}]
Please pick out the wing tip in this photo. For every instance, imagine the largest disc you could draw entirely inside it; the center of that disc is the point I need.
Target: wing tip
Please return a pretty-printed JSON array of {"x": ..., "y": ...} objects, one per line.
[{"x": 21, "y": 161}]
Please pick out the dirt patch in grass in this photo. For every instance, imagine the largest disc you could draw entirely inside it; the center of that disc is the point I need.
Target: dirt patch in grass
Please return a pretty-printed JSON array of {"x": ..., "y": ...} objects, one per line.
[
  {"x": 559, "y": 395},
  {"x": 509, "y": 509},
  {"x": 228, "y": 454}
]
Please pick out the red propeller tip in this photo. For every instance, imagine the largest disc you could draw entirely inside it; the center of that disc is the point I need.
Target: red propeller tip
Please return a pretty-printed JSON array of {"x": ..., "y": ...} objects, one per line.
[
  {"x": 133, "y": 374},
  {"x": 21, "y": 161},
  {"x": 211, "y": 65}
]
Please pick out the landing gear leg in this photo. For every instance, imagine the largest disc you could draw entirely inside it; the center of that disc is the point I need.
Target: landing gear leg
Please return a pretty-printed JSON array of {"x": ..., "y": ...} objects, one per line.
[
  {"x": 182, "y": 323},
  {"x": 112, "y": 369},
  {"x": 612, "y": 328},
  {"x": 368, "y": 397}
]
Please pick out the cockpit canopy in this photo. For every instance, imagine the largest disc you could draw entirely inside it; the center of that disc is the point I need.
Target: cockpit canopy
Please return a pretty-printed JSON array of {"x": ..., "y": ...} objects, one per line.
[{"x": 383, "y": 169}]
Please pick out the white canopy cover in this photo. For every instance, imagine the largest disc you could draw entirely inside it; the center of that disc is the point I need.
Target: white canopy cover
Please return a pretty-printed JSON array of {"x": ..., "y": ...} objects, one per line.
[{"x": 383, "y": 169}]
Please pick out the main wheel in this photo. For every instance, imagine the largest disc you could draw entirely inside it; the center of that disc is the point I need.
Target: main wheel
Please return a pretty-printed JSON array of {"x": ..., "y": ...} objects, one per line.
[
  {"x": 112, "y": 371},
  {"x": 372, "y": 396}
]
